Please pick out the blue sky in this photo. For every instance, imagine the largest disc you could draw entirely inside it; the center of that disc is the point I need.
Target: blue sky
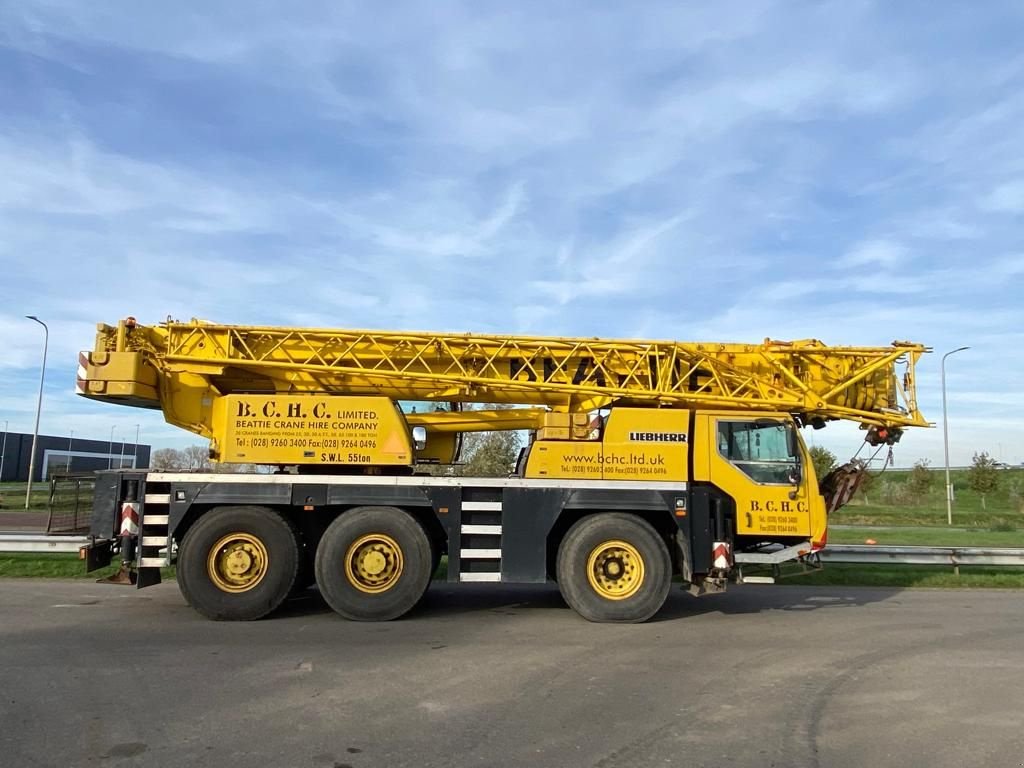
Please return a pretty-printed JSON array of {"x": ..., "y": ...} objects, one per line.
[{"x": 849, "y": 171}]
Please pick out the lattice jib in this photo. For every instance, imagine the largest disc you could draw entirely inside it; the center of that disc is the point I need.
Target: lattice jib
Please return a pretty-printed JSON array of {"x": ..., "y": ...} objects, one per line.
[{"x": 803, "y": 377}]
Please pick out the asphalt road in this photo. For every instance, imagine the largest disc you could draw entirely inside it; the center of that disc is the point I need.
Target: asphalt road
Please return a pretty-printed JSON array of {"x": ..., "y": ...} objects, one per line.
[{"x": 486, "y": 676}]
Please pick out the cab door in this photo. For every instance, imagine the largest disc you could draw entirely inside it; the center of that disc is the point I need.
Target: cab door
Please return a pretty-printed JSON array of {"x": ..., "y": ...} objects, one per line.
[{"x": 758, "y": 461}]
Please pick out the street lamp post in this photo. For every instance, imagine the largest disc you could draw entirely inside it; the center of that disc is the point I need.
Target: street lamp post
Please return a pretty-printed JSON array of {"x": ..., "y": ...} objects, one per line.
[
  {"x": 945, "y": 437},
  {"x": 39, "y": 408},
  {"x": 110, "y": 448},
  {"x": 135, "y": 450}
]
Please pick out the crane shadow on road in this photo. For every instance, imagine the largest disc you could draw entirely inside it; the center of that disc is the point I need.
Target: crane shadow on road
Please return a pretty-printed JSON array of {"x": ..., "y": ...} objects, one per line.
[
  {"x": 462, "y": 598},
  {"x": 762, "y": 598},
  {"x": 443, "y": 599}
]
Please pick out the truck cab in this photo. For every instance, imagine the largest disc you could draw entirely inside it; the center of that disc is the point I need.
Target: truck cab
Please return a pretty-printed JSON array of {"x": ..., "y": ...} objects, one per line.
[
  {"x": 759, "y": 462},
  {"x": 754, "y": 467}
]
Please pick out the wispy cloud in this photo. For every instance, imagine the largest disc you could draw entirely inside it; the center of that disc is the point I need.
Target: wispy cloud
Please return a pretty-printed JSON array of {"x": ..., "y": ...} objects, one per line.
[
  {"x": 875, "y": 253},
  {"x": 1006, "y": 198},
  {"x": 735, "y": 171}
]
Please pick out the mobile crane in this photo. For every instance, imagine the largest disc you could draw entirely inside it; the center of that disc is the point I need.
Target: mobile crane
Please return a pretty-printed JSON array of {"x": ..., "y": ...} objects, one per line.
[{"x": 646, "y": 459}]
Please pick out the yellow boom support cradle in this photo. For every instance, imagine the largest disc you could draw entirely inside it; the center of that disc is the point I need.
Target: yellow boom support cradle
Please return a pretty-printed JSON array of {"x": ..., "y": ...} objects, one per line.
[{"x": 188, "y": 369}]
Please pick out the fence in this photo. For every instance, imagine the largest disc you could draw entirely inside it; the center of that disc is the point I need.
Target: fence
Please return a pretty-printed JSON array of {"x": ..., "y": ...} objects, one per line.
[{"x": 71, "y": 503}]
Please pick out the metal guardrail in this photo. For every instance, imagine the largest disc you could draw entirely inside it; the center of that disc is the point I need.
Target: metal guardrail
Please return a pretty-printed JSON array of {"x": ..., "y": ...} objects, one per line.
[
  {"x": 40, "y": 542},
  {"x": 867, "y": 554},
  {"x": 954, "y": 556}
]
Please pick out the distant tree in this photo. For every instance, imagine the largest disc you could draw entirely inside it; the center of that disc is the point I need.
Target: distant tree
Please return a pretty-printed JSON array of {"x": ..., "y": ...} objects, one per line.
[
  {"x": 168, "y": 460},
  {"x": 239, "y": 469},
  {"x": 866, "y": 483},
  {"x": 490, "y": 454},
  {"x": 983, "y": 477},
  {"x": 197, "y": 458},
  {"x": 824, "y": 461},
  {"x": 920, "y": 481},
  {"x": 251, "y": 469}
]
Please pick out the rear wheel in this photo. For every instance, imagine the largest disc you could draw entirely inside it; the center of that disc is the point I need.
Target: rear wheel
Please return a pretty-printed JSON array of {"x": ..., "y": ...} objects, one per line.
[
  {"x": 614, "y": 568},
  {"x": 373, "y": 563},
  {"x": 238, "y": 563}
]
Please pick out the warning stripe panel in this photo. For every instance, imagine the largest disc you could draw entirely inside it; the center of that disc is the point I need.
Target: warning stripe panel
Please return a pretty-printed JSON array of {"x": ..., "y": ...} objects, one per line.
[
  {"x": 481, "y": 506},
  {"x": 82, "y": 374},
  {"x": 480, "y": 554},
  {"x": 490, "y": 576},
  {"x": 490, "y": 530}
]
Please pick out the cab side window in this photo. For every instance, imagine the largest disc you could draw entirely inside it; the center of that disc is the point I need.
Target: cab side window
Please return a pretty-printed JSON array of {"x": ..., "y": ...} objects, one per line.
[{"x": 760, "y": 449}]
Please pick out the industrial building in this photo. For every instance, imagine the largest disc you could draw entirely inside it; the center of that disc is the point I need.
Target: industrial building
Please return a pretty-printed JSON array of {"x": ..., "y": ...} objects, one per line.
[{"x": 57, "y": 454}]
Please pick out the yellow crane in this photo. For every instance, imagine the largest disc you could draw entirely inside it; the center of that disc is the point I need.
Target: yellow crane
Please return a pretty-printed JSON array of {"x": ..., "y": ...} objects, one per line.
[{"x": 717, "y": 424}]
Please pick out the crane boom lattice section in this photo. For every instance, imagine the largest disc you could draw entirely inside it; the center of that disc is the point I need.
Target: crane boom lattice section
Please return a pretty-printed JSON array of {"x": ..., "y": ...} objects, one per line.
[{"x": 806, "y": 378}]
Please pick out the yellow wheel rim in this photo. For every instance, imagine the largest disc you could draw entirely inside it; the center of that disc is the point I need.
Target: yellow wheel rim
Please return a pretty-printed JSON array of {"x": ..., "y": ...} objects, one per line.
[
  {"x": 237, "y": 562},
  {"x": 615, "y": 570},
  {"x": 374, "y": 563}
]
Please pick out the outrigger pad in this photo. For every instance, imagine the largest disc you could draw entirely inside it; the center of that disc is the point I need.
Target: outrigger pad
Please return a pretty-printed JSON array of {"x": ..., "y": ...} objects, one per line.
[{"x": 124, "y": 576}]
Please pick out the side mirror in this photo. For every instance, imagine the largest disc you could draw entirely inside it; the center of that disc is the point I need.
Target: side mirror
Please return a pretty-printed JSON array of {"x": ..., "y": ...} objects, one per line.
[
  {"x": 419, "y": 438},
  {"x": 795, "y": 476}
]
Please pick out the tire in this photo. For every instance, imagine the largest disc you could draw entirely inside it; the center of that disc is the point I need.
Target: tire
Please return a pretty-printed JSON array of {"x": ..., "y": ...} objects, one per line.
[
  {"x": 614, "y": 567},
  {"x": 373, "y": 563},
  {"x": 219, "y": 570}
]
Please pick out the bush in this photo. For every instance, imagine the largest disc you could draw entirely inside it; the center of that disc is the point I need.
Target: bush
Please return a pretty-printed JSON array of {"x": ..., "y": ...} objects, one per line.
[
  {"x": 983, "y": 477},
  {"x": 824, "y": 461},
  {"x": 894, "y": 493},
  {"x": 1015, "y": 492},
  {"x": 920, "y": 482},
  {"x": 867, "y": 485}
]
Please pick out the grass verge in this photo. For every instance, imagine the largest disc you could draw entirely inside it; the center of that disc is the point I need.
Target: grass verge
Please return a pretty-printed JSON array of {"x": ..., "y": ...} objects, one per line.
[
  {"x": 926, "y": 537},
  {"x": 30, "y": 565},
  {"x": 892, "y": 502},
  {"x": 12, "y": 497},
  {"x": 909, "y": 576}
]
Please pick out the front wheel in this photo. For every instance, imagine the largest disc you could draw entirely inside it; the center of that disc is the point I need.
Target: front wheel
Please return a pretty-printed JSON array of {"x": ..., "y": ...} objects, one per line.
[
  {"x": 614, "y": 567},
  {"x": 238, "y": 563},
  {"x": 373, "y": 563}
]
